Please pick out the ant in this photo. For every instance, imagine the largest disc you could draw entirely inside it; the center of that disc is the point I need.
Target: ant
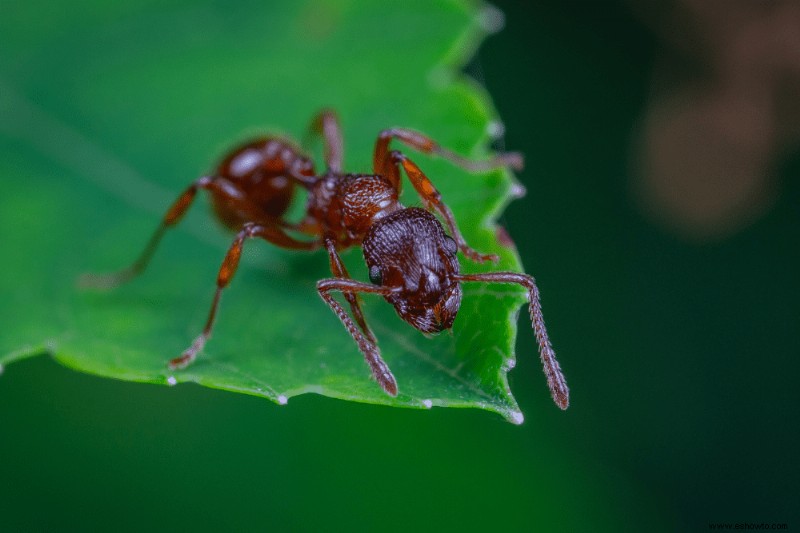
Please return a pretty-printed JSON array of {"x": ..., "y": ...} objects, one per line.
[{"x": 412, "y": 261}]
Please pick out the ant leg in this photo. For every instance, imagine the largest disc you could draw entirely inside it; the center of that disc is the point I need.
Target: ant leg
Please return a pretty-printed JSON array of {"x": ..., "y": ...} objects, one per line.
[
  {"x": 340, "y": 271},
  {"x": 552, "y": 370},
  {"x": 426, "y": 145},
  {"x": 326, "y": 123},
  {"x": 226, "y": 272},
  {"x": 172, "y": 217},
  {"x": 380, "y": 370},
  {"x": 433, "y": 201}
]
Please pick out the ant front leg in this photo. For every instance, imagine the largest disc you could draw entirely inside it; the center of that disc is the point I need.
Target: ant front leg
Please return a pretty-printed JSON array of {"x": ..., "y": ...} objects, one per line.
[
  {"x": 272, "y": 234},
  {"x": 380, "y": 370},
  {"x": 433, "y": 201},
  {"x": 172, "y": 217},
  {"x": 552, "y": 370},
  {"x": 340, "y": 271},
  {"x": 382, "y": 160}
]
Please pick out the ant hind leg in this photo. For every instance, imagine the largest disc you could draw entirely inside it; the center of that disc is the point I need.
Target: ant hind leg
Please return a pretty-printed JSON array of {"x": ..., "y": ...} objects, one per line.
[{"x": 172, "y": 217}]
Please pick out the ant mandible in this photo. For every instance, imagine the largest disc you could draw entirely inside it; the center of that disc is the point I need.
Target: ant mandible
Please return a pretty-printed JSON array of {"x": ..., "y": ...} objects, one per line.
[{"x": 412, "y": 261}]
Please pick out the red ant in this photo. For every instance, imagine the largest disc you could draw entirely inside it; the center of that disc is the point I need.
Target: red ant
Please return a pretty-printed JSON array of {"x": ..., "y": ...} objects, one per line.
[{"x": 412, "y": 261}]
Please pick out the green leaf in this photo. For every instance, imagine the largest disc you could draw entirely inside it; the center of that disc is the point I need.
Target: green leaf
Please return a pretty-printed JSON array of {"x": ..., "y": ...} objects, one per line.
[{"x": 108, "y": 110}]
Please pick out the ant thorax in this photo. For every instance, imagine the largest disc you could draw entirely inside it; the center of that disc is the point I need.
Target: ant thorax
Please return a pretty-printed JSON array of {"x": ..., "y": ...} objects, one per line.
[
  {"x": 350, "y": 204},
  {"x": 409, "y": 250}
]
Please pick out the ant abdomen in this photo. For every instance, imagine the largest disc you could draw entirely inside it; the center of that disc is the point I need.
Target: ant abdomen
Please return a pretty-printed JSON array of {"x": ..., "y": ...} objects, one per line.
[{"x": 259, "y": 170}]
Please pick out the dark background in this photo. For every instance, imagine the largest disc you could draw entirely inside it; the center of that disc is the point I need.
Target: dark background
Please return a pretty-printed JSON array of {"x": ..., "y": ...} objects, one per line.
[
  {"x": 676, "y": 328},
  {"x": 687, "y": 334}
]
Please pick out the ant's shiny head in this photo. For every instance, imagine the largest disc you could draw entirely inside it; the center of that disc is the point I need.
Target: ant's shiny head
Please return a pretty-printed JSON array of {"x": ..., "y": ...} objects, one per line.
[{"x": 409, "y": 251}]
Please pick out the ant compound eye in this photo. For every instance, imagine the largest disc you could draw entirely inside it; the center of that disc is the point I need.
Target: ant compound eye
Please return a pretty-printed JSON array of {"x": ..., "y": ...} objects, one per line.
[
  {"x": 450, "y": 244},
  {"x": 375, "y": 275}
]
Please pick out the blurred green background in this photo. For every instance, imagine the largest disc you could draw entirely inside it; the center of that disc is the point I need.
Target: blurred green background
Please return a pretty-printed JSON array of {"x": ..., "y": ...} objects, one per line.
[{"x": 677, "y": 330}]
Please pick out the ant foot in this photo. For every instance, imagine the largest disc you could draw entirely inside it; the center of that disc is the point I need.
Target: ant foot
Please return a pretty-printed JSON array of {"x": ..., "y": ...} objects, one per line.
[
  {"x": 189, "y": 355},
  {"x": 513, "y": 160},
  {"x": 384, "y": 376},
  {"x": 388, "y": 383},
  {"x": 183, "y": 361}
]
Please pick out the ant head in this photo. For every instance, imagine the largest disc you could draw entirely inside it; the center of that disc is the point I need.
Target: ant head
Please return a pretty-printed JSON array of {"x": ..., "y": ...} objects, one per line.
[{"x": 409, "y": 251}]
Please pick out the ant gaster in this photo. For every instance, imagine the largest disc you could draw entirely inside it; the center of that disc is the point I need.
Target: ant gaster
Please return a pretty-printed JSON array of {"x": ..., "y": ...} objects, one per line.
[{"x": 412, "y": 261}]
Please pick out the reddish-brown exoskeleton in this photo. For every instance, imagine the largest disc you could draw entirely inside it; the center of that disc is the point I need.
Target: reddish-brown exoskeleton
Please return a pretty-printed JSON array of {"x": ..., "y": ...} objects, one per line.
[{"x": 412, "y": 261}]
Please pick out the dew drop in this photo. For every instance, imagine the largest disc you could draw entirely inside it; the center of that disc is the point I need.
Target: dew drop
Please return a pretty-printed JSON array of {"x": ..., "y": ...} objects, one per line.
[
  {"x": 492, "y": 19},
  {"x": 171, "y": 381},
  {"x": 495, "y": 129},
  {"x": 517, "y": 418},
  {"x": 282, "y": 400},
  {"x": 518, "y": 190},
  {"x": 427, "y": 403}
]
